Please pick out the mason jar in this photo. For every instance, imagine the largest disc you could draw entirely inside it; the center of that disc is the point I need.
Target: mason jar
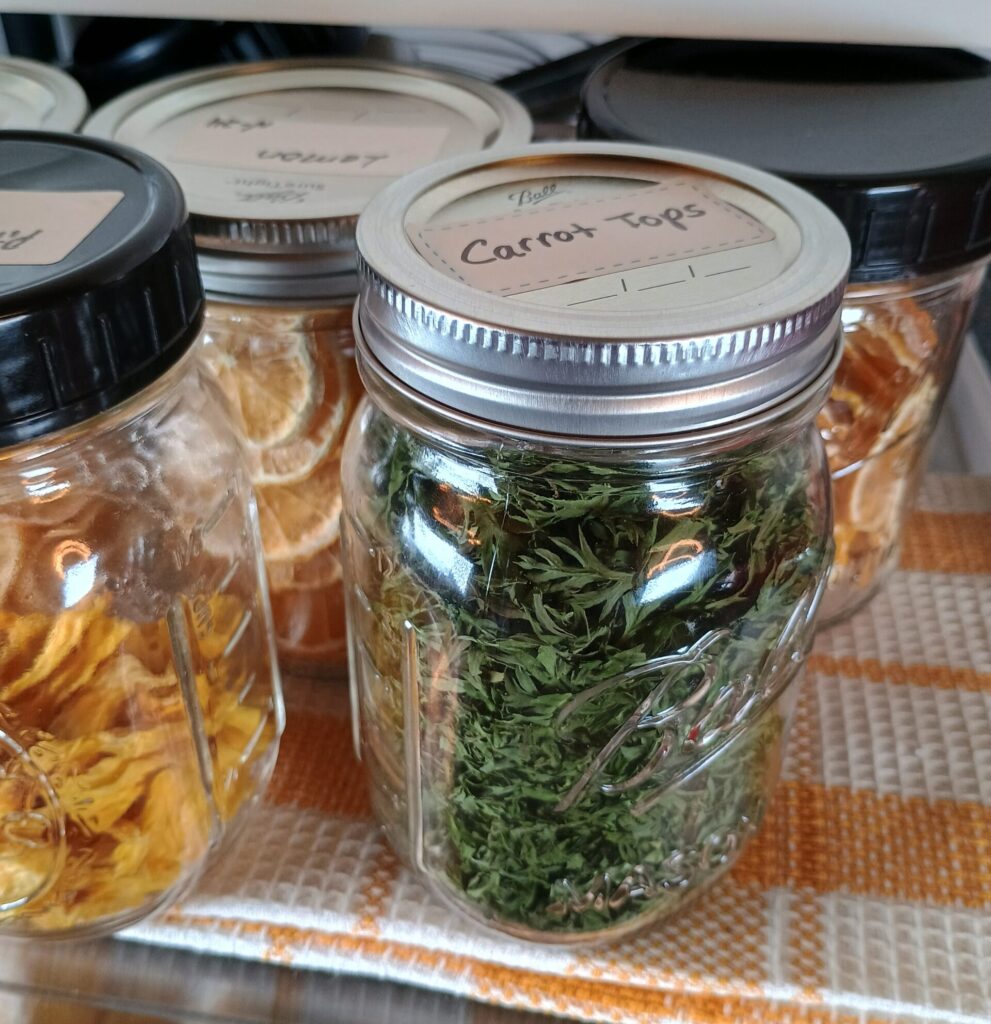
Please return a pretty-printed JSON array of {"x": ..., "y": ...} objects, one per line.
[
  {"x": 140, "y": 708},
  {"x": 845, "y": 122},
  {"x": 39, "y": 96},
  {"x": 902, "y": 339},
  {"x": 587, "y": 522},
  {"x": 277, "y": 159}
]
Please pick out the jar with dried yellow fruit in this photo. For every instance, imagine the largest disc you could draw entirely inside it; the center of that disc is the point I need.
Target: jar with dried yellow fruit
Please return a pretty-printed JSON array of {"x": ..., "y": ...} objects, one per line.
[
  {"x": 140, "y": 708},
  {"x": 277, "y": 160}
]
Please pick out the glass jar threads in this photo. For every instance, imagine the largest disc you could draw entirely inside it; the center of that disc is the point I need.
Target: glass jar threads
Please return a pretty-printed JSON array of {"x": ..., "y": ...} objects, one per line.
[
  {"x": 277, "y": 159},
  {"x": 894, "y": 140},
  {"x": 587, "y": 521},
  {"x": 140, "y": 708}
]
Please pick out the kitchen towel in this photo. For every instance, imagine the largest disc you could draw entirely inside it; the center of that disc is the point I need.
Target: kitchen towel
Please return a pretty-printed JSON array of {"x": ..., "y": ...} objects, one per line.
[{"x": 865, "y": 897}]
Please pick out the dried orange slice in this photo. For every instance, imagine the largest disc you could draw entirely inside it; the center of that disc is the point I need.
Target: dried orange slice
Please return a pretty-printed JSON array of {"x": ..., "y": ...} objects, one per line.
[
  {"x": 322, "y": 570},
  {"x": 878, "y": 486},
  {"x": 295, "y": 459},
  {"x": 887, "y": 350},
  {"x": 268, "y": 380},
  {"x": 301, "y": 518},
  {"x": 310, "y": 627}
]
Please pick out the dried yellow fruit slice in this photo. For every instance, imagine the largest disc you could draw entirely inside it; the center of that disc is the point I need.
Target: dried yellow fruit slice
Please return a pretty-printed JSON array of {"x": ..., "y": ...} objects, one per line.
[
  {"x": 269, "y": 383},
  {"x": 294, "y": 460},
  {"x": 299, "y": 519}
]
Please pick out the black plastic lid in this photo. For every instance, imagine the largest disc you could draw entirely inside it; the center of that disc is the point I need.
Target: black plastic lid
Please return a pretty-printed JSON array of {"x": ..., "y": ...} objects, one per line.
[
  {"x": 123, "y": 301},
  {"x": 895, "y": 140}
]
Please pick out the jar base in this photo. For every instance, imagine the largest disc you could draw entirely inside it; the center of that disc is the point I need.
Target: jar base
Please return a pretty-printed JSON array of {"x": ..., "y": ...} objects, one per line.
[
  {"x": 495, "y": 928},
  {"x": 108, "y": 926}
]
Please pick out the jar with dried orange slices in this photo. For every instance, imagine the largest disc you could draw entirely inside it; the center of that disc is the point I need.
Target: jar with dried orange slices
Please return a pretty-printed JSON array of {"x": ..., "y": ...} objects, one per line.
[
  {"x": 895, "y": 141},
  {"x": 140, "y": 705},
  {"x": 277, "y": 160}
]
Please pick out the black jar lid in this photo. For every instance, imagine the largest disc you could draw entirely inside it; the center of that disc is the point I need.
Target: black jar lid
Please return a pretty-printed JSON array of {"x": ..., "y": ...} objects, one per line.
[
  {"x": 895, "y": 140},
  {"x": 99, "y": 289}
]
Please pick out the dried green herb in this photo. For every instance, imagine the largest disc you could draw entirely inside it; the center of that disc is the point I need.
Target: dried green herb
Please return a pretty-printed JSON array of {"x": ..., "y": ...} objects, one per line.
[{"x": 596, "y": 654}]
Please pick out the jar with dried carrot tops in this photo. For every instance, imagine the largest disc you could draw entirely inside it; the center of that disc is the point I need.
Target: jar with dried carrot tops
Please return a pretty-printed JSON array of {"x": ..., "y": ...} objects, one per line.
[{"x": 587, "y": 521}]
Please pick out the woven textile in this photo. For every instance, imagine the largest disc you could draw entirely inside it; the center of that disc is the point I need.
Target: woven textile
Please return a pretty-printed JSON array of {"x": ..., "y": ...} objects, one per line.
[{"x": 866, "y": 896}]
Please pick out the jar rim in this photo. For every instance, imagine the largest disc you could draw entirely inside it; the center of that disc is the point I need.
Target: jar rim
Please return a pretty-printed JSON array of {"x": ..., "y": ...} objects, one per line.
[{"x": 804, "y": 403}]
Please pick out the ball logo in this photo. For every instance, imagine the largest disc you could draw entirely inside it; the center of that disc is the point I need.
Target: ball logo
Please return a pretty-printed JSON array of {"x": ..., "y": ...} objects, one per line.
[
  {"x": 715, "y": 709},
  {"x": 32, "y": 828}
]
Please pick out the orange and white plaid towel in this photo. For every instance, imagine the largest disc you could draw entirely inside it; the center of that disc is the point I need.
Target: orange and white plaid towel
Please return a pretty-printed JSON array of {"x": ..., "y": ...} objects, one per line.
[{"x": 865, "y": 897}]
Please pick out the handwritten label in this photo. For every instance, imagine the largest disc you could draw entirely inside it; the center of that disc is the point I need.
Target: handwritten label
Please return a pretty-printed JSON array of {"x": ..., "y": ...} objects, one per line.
[
  {"x": 266, "y": 142},
  {"x": 559, "y": 243},
  {"x": 42, "y": 228}
]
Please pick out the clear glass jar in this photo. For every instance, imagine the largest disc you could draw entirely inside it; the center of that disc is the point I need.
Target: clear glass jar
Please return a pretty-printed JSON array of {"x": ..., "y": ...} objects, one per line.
[
  {"x": 894, "y": 140},
  {"x": 139, "y": 701},
  {"x": 575, "y": 667},
  {"x": 290, "y": 378},
  {"x": 586, "y": 522},
  {"x": 277, "y": 160},
  {"x": 36, "y": 95},
  {"x": 901, "y": 344}
]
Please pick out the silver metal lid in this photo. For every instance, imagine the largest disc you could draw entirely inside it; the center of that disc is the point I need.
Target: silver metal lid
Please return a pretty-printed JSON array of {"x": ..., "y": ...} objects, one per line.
[
  {"x": 277, "y": 159},
  {"x": 600, "y": 290},
  {"x": 37, "y": 96}
]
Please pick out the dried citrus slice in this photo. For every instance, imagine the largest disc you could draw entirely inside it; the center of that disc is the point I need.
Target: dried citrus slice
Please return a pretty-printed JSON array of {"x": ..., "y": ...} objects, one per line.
[
  {"x": 294, "y": 460},
  {"x": 886, "y": 356},
  {"x": 269, "y": 382},
  {"x": 310, "y": 626},
  {"x": 323, "y": 569},
  {"x": 900, "y": 329},
  {"x": 301, "y": 518},
  {"x": 878, "y": 486}
]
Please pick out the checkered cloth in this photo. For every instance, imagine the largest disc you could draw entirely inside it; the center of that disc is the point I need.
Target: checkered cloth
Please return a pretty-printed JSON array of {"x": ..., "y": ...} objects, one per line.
[{"x": 866, "y": 896}]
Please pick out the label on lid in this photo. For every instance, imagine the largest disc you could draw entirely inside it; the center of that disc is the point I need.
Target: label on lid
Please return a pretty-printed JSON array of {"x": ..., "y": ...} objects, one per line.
[
  {"x": 605, "y": 244},
  {"x": 42, "y": 228},
  {"x": 298, "y": 153},
  {"x": 260, "y": 141}
]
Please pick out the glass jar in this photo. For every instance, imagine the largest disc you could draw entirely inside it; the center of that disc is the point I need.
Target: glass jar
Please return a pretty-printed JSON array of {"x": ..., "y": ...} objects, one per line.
[
  {"x": 38, "y": 96},
  {"x": 901, "y": 343},
  {"x": 574, "y": 665},
  {"x": 299, "y": 364},
  {"x": 918, "y": 219},
  {"x": 277, "y": 159},
  {"x": 140, "y": 708},
  {"x": 584, "y": 555}
]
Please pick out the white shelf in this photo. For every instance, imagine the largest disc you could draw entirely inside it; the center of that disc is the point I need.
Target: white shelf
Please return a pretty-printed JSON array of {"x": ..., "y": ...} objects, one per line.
[{"x": 922, "y": 22}]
